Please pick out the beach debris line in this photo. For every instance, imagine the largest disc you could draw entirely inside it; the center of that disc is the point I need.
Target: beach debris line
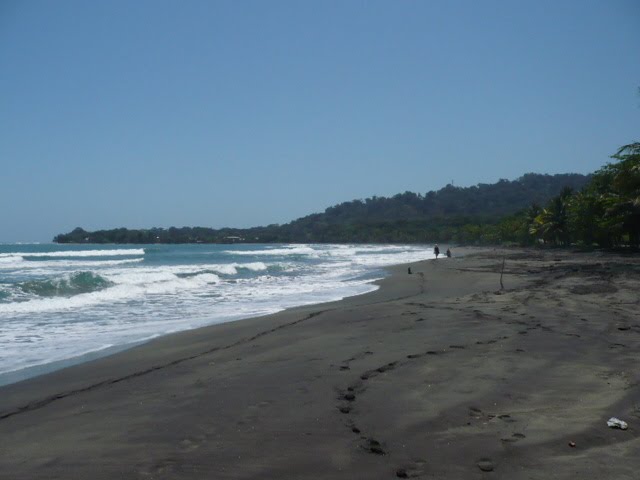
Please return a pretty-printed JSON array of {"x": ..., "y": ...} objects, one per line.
[{"x": 614, "y": 422}]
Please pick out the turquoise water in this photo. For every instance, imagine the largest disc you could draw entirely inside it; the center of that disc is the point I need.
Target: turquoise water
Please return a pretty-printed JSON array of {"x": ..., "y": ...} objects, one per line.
[{"x": 60, "y": 302}]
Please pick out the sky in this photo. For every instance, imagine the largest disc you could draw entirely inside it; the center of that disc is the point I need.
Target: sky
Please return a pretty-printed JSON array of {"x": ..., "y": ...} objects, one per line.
[{"x": 242, "y": 113}]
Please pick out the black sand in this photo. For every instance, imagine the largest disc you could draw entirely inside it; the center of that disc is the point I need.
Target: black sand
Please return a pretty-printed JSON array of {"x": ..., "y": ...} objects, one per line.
[{"x": 438, "y": 375}]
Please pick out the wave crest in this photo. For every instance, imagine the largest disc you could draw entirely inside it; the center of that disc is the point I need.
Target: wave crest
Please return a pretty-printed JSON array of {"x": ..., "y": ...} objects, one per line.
[
  {"x": 76, "y": 253},
  {"x": 74, "y": 284}
]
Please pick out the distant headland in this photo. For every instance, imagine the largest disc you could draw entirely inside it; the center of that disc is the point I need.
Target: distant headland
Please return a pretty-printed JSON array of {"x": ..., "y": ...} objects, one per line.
[
  {"x": 602, "y": 209},
  {"x": 406, "y": 217}
]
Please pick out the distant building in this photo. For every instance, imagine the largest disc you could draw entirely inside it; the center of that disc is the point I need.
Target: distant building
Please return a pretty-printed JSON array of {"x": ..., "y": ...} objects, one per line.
[{"x": 232, "y": 239}]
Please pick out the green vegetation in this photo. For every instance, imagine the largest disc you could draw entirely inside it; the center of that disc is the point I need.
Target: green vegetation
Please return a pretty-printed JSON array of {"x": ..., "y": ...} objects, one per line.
[
  {"x": 605, "y": 213},
  {"x": 601, "y": 210},
  {"x": 463, "y": 215}
]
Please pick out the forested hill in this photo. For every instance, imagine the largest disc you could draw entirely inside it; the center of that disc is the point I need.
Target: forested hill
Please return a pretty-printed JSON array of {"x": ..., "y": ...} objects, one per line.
[
  {"x": 405, "y": 217},
  {"x": 486, "y": 201}
]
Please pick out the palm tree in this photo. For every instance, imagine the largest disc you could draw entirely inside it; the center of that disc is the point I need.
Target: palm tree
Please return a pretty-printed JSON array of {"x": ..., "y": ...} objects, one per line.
[
  {"x": 618, "y": 185},
  {"x": 552, "y": 223}
]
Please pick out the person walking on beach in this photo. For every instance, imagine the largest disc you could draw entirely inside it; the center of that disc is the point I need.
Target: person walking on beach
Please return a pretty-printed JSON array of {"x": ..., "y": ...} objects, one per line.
[
  {"x": 448, "y": 253},
  {"x": 436, "y": 251}
]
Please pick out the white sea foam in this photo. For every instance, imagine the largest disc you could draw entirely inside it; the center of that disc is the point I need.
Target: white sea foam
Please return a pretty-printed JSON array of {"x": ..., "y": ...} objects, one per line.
[
  {"x": 7, "y": 263},
  {"x": 294, "y": 250},
  {"x": 149, "y": 274},
  {"x": 77, "y": 253},
  {"x": 225, "y": 269},
  {"x": 167, "y": 292},
  {"x": 322, "y": 250},
  {"x": 10, "y": 259},
  {"x": 254, "y": 266},
  {"x": 232, "y": 268},
  {"x": 131, "y": 286}
]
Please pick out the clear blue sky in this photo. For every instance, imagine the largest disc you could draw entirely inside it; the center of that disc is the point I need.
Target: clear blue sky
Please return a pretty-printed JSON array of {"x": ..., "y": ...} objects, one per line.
[{"x": 242, "y": 113}]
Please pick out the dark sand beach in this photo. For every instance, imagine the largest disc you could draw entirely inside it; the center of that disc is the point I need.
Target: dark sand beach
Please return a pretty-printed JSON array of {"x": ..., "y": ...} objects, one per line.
[{"x": 438, "y": 374}]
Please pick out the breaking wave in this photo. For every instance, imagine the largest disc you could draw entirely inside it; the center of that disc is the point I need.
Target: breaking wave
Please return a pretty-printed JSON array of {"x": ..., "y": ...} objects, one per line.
[
  {"x": 76, "y": 253},
  {"x": 296, "y": 250},
  {"x": 74, "y": 284},
  {"x": 64, "y": 303}
]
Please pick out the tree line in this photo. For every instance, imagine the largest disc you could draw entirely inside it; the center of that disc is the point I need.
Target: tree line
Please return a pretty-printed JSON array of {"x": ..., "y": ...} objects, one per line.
[
  {"x": 605, "y": 213},
  {"x": 602, "y": 209}
]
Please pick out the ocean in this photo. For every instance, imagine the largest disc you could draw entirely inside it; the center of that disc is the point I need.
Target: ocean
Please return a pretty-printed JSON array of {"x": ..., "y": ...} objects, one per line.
[{"x": 63, "y": 304}]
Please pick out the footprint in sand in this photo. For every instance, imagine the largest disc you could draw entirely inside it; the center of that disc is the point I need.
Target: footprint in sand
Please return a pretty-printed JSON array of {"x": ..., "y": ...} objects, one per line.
[
  {"x": 161, "y": 467},
  {"x": 374, "y": 446},
  {"x": 486, "y": 465},
  {"x": 388, "y": 366},
  {"x": 506, "y": 418},
  {"x": 509, "y": 440},
  {"x": 475, "y": 412},
  {"x": 190, "y": 444},
  {"x": 411, "y": 471}
]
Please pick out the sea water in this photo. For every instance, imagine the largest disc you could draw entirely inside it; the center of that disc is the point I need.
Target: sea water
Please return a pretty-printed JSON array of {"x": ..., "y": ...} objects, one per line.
[{"x": 60, "y": 304}]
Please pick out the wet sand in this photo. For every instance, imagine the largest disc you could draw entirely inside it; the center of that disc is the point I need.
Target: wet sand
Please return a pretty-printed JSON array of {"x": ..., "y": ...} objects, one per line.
[{"x": 438, "y": 374}]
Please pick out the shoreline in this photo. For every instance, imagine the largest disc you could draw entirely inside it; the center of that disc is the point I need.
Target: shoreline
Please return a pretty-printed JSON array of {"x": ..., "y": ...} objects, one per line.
[
  {"x": 33, "y": 371},
  {"x": 438, "y": 374},
  {"x": 96, "y": 356},
  {"x": 93, "y": 317}
]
